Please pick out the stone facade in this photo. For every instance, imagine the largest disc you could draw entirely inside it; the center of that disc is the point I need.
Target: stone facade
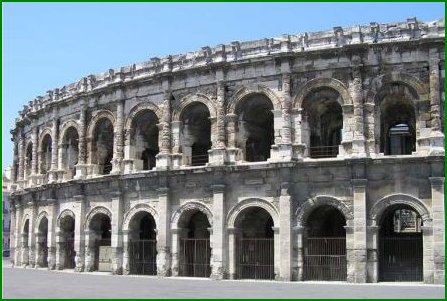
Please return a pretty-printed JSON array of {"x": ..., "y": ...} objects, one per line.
[{"x": 349, "y": 119}]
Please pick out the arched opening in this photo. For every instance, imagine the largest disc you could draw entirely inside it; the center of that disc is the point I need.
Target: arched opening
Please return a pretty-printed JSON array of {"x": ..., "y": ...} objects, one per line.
[
  {"x": 102, "y": 146},
  {"x": 142, "y": 244},
  {"x": 28, "y": 159},
  {"x": 144, "y": 140},
  {"x": 255, "y": 128},
  {"x": 70, "y": 152},
  {"x": 42, "y": 243},
  {"x": 397, "y": 121},
  {"x": 325, "y": 245},
  {"x": 15, "y": 173},
  {"x": 100, "y": 237},
  {"x": 254, "y": 244},
  {"x": 25, "y": 234},
  {"x": 196, "y": 134},
  {"x": 322, "y": 122},
  {"x": 195, "y": 251},
  {"x": 400, "y": 245},
  {"x": 67, "y": 252},
  {"x": 45, "y": 154}
]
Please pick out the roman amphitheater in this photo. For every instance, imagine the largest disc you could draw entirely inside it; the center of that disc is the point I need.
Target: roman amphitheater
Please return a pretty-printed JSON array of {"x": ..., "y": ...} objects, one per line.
[{"x": 317, "y": 156}]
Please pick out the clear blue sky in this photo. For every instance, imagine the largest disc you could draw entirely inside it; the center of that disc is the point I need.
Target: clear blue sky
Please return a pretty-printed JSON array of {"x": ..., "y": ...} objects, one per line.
[{"x": 48, "y": 45}]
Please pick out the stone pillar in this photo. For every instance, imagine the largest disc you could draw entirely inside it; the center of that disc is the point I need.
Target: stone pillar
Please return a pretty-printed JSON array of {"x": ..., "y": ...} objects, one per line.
[
  {"x": 164, "y": 156},
  {"x": 32, "y": 234},
  {"x": 373, "y": 254},
  {"x": 52, "y": 219},
  {"x": 285, "y": 234},
  {"x": 52, "y": 174},
  {"x": 117, "y": 239},
  {"x": 24, "y": 258},
  {"x": 437, "y": 196},
  {"x": 302, "y": 135},
  {"x": 232, "y": 149},
  {"x": 163, "y": 233},
  {"x": 346, "y": 146},
  {"x": 360, "y": 238},
  {"x": 358, "y": 142},
  {"x": 218, "y": 264},
  {"x": 436, "y": 136},
  {"x": 298, "y": 264},
  {"x": 12, "y": 230},
  {"x": 125, "y": 266},
  {"x": 81, "y": 167},
  {"x": 89, "y": 251},
  {"x": 427, "y": 252},
  {"x": 351, "y": 263},
  {"x": 217, "y": 155},
  {"x": 276, "y": 252},
  {"x": 118, "y": 151},
  {"x": 79, "y": 239},
  {"x": 177, "y": 233},
  {"x": 21, "y": 154},
  {"x": 18, "y": 235},
  {"x": 60, "y": 250},
  {"x": 232, "y": 234},
  {"x": 34, "y": 158}
]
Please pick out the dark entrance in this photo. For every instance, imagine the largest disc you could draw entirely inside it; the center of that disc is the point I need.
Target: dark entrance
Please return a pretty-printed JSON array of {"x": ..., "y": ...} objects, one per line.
[
  {"x": 100, "y": 227},
  {"x": 400, "y": 246},
  {"x": 255, "y": 245},
  {"x": 42, "y": 241},
  {"x": 67, "y": 227},
  {"x": 325, "y": 245},
  {"x": 143, "y": 245},
  {"x": 195, "y": 251}
]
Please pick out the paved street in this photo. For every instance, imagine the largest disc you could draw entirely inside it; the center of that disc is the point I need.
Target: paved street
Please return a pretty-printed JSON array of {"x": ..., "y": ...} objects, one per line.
[{"x": 31, "y": 283}]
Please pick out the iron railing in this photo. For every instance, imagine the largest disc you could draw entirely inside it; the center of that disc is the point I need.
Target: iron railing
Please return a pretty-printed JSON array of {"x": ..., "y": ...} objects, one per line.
[
  {"x": 325, "y": 258},
  {"x": 255, "y": 258},
  {"x": 401, "y": 258},
  {"x": 195, "y": 257},
  {"x": 323, "y": 151},
  {"x": 199, "y": 160},
  {"x": 143, "y": 257}
]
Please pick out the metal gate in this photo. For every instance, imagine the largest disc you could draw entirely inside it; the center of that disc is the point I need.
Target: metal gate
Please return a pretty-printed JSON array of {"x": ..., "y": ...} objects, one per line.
[
  {"x": 401, "y": 258},
  {"x": 324, "y": 258},
  {"x": 195, "y": 256},
  {"x": 103, "y": 255},
  {"x": 43, "y": 253},
  {"x": 143, "y": 257},
  {"x": 69, "y": 254},
  {"x": 255, "y": 258}
]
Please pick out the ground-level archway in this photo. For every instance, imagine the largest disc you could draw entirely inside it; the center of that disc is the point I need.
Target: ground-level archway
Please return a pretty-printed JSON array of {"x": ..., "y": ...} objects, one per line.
[
  {"x": 100, "y": 242},
  {"x": 42, "y": 242},
  {"x": 324, "y": 245},
  {"x": 66, "y": 234},
  {"x": 194, "y": 244},
  {"x": 254, "y": 244},
  {"x": 400, "y": 244},
  {"x": 142, "y": 244}
]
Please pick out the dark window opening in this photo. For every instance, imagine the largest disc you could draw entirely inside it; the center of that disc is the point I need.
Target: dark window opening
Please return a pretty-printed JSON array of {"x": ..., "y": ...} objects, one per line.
[
  {"x": 144, "y": 139},
  {"x": 102, "y": 150}
]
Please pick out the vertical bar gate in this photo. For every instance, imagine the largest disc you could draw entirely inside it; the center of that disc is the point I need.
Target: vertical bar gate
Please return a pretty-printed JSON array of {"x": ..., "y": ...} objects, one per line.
[
  {"x": 195, "y": 257},
  {"x": 143, "y": 257},
  {"x": 255, "y": 258},
  {"x": 325, "y": 258}
]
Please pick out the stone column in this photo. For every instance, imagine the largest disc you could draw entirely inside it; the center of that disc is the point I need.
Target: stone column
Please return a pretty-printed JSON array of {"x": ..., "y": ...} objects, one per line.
[
  {"x": 126, "y": 267},
  {"x": 302, "y": 135},
  {"x": 52, "y": 174},
  {"x": 218, "y": 265},
  {"x": 164, "y": 156},
  {"x": 79, "y": 239},
  {"x": 12, "y": 231},
  {"x": 35, "y": 153},
  {"x": 373, "y": 253},
  {"x": 81, "y": 168},
  {"x": 298, "y": 264},
  {"x": 21, "y": 154},
  {"x": 232, "y": 234},
  {"x": 89, "y": 251},
  {"x": 163, "y": 233},
  {"x": 218, "y": 154},
  {"x": 117, "y": 239},
  {"x": 52, "y": 218},
  {"x": 285, "y": 234},
  {"x": 360, "y": 238},
  {"x": 18, "y": 235},
  {"x": 436, "y": 136},
  {"x": 232, "y": 149},
  {"x": 60, "y": 250},
  {"x": 351, "y": 263},
  {"x": 177, "y": 233},
  {"x": 32, "y": 233},
  {"x": 427, "y": 252},
  {"x": 118, "y": 151},
  {"x": 358, "y": 143},
  {"x": 276, "y": 252},
  {"x": 437, "y": 196}
]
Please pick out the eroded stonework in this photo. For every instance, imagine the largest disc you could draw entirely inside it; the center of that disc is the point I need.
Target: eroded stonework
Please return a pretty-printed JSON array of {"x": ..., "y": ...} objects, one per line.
[{"x": 230, "y": 162}]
